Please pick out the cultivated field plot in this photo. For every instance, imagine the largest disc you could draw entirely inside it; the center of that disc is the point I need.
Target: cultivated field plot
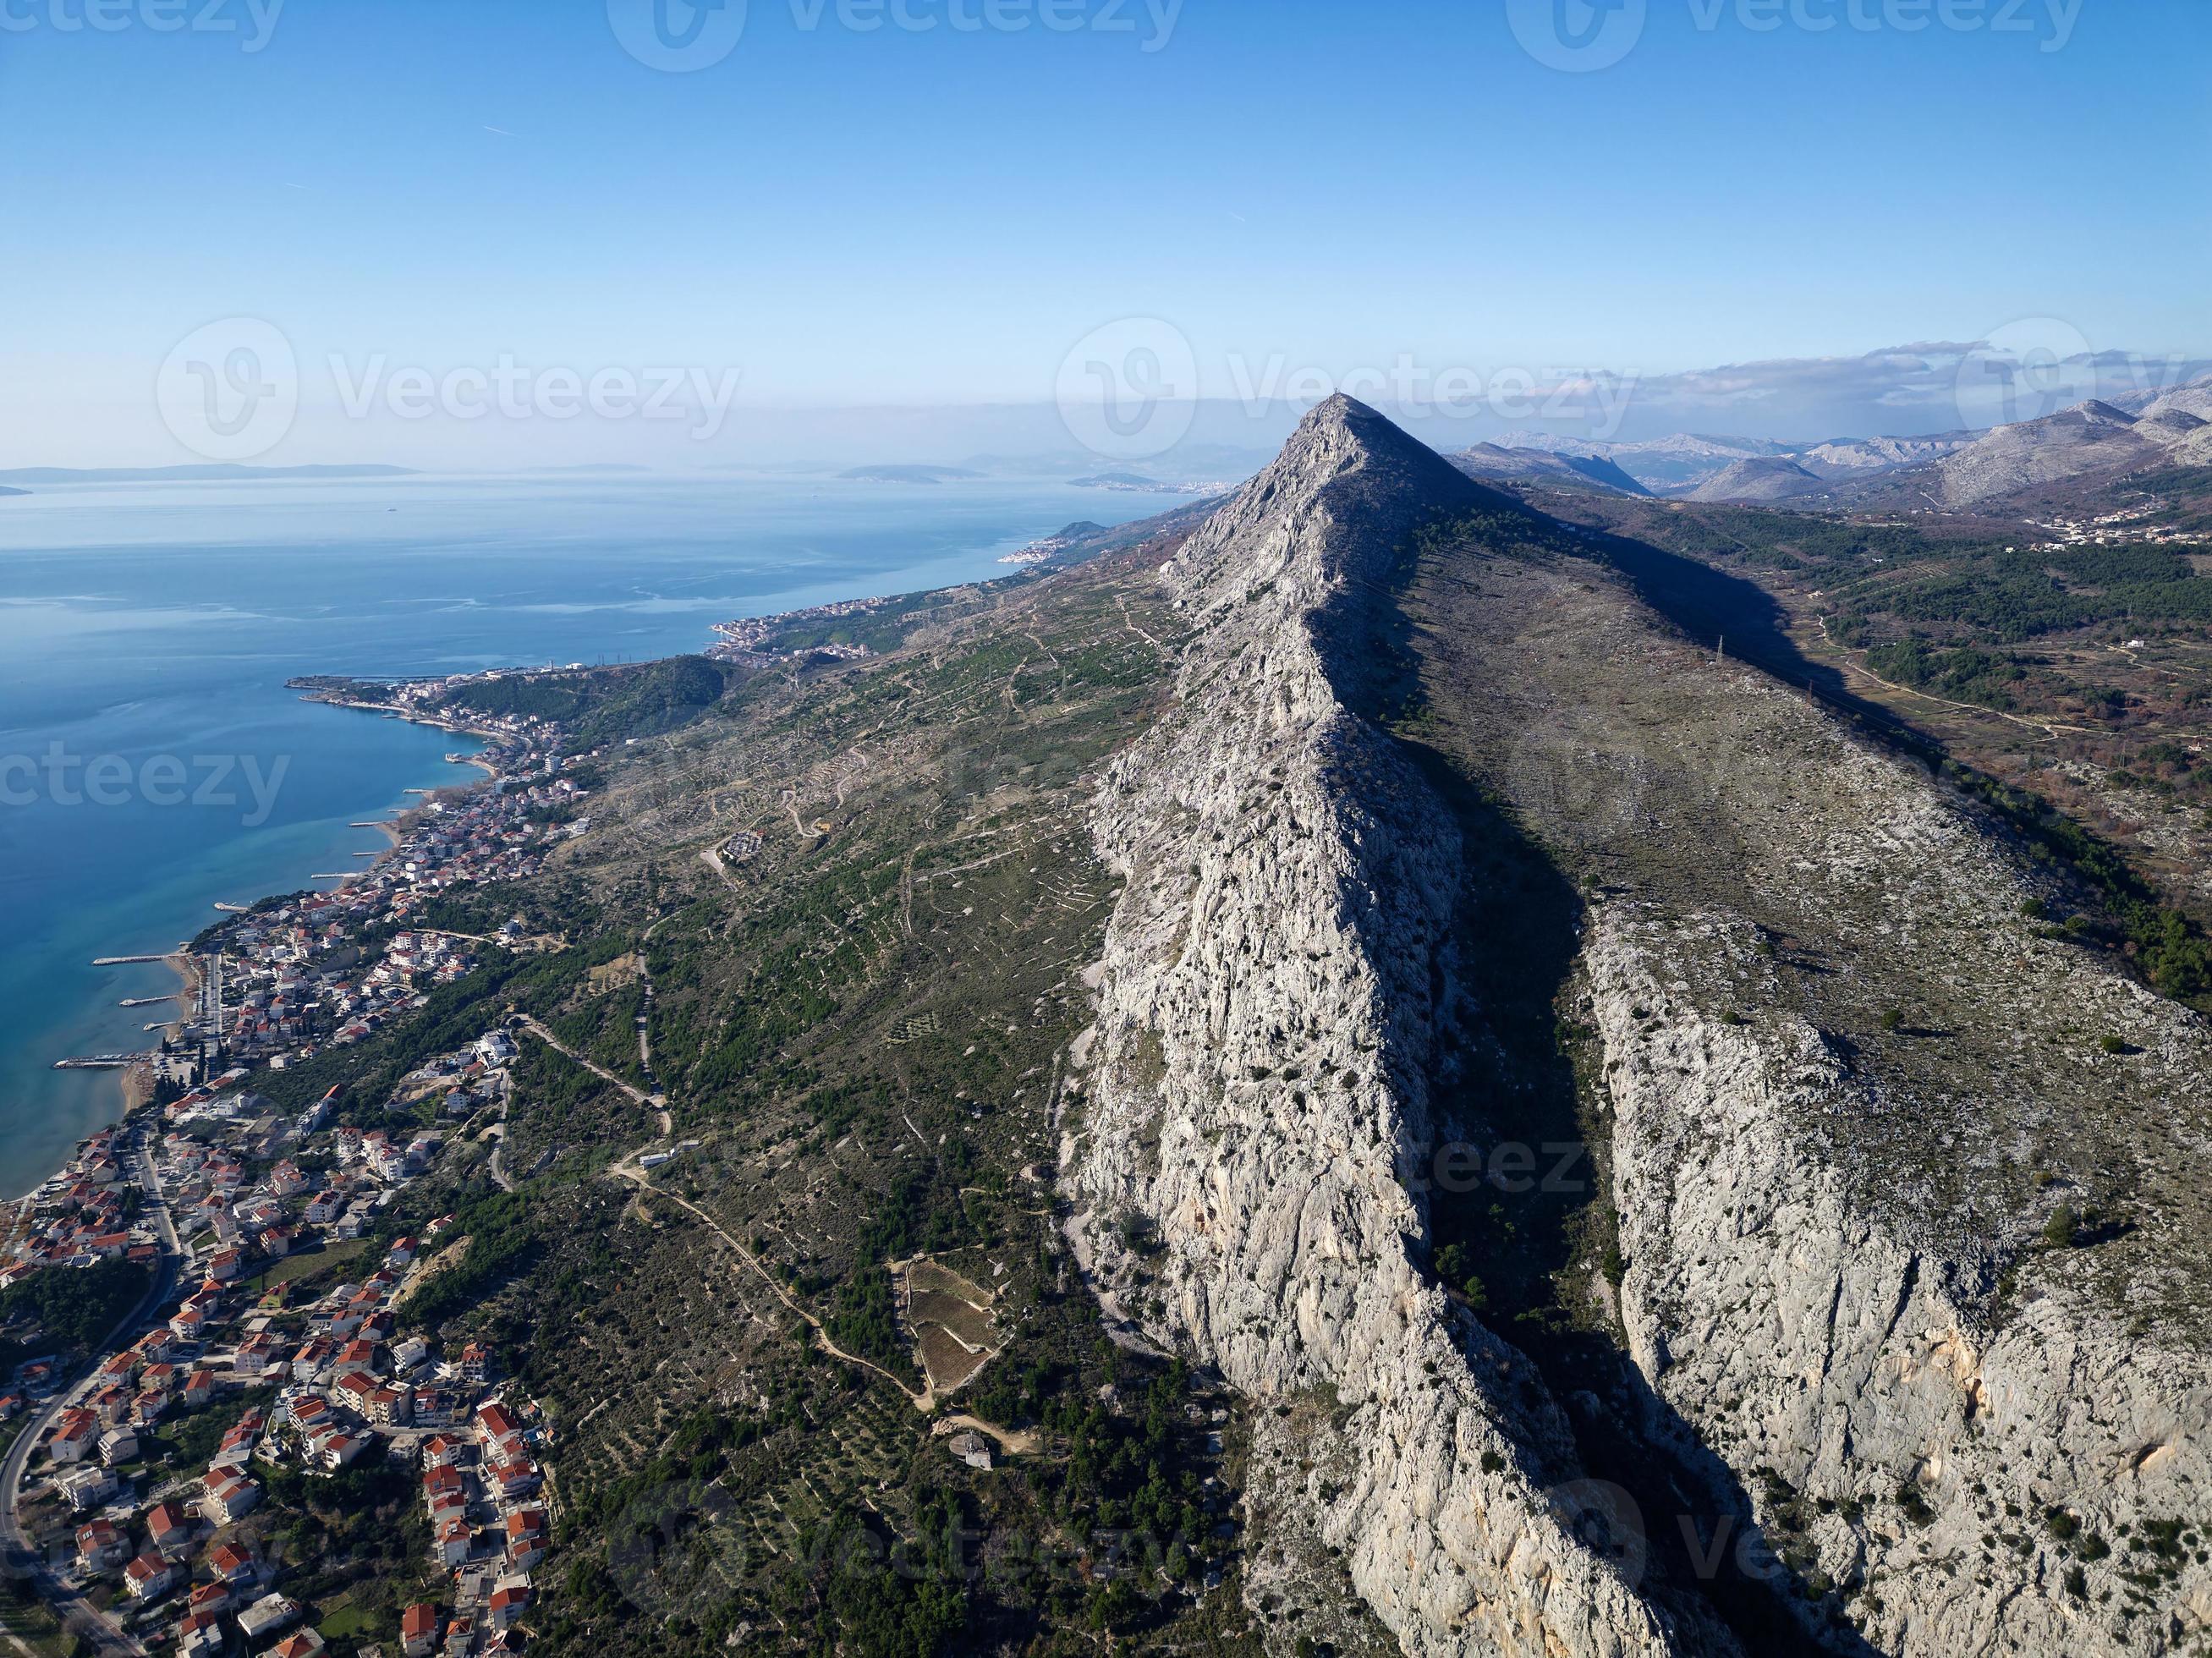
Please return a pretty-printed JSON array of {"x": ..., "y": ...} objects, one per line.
[{"x": 949, "y": 1320}]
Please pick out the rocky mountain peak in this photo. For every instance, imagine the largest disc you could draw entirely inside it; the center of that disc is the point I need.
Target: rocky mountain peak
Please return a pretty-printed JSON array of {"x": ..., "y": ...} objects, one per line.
[
  {"x": 1340, "y": 435},
  {"x": 1345, "y": 463},
  {"x": 2096, "y": 411}
]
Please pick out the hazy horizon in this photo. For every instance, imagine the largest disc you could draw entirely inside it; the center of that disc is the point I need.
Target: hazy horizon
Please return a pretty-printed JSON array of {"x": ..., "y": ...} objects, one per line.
[
  {"x": 1899, "y": 393},
  {"x": 360, "y": 220}
]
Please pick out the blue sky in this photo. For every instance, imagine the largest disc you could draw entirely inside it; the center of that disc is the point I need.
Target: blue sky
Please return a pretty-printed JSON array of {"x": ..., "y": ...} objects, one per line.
[{"x": 933, "y": 217}]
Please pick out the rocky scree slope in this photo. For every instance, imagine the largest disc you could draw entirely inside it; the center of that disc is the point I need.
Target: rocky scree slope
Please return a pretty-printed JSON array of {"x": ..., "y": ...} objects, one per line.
[
  {"x": 2092, "y": 442},
  {"x": 1268, "y": 1009}
]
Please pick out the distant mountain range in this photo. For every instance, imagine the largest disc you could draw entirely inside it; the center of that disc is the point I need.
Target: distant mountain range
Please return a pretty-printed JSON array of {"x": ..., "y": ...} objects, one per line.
[
  {"x": 2091, "y": 445},
  {"x": 1682, "y": 460},
  {"x": 2088, "y": 446},
  {"x": 1492, "y": 463},
  {"x": 2031, "y": 465},
  {"x": 1708, "y": 468},
  {"x": 1850, "y": 457}
]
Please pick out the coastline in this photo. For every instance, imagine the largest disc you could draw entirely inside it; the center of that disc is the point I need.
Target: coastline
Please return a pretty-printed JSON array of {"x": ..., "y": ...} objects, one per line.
[
  {"x": 749, "y": 545},
  {"x": 332, "y": 691},
  {"x": 135, "y": 1083},
  {"x": 331, "y": 699}
]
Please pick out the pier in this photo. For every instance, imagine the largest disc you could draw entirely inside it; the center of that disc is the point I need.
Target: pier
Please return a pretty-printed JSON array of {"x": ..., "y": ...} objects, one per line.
[
  {"x": 234, "y": 909},
  {"x": 146, "y": 1001},
  {"x": 102, "y": 1061},
  {"x": 126, "y": 961}
]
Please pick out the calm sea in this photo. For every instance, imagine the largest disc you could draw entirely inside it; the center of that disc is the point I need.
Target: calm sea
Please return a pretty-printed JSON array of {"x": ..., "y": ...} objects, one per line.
[{"x": 152, "y": 762}]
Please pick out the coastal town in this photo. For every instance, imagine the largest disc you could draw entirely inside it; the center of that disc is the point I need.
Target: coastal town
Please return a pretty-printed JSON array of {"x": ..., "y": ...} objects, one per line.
[
  {"x": 277, "y": 982},
  {"x": 253, "y": 1401},
  {"x": 154, "y": 1491},
  {"x": 753, "y": 641},
  {"x": 262, "y": 1363}
]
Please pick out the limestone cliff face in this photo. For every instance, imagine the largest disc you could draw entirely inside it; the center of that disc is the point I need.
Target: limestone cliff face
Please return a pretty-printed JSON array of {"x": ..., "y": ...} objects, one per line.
[
  {"x": 1857, "y": 1094},
  {"x": 1837, "y": 1269},
  {"x": 1267, "y": 1019}
]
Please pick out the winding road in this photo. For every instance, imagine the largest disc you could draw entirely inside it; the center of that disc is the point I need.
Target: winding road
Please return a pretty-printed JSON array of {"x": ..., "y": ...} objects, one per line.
[
  {"x": 629, "y": 1169},
  {"x": 100, "y": 1634}
]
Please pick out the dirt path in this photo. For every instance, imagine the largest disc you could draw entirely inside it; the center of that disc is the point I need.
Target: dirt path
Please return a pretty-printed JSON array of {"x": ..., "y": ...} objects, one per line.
[
  {"x": 1021, "y": 1442},
  {"x": 628, "y": 1169},
  {"x": 2047, "y": 727},
  {"x": 1130, "y": 622},
  {"x": 639, "y": 1095}
]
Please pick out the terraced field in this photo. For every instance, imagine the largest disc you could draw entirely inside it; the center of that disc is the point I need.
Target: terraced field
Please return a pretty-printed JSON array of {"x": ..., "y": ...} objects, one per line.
[{"x": 950, "y": 1322}]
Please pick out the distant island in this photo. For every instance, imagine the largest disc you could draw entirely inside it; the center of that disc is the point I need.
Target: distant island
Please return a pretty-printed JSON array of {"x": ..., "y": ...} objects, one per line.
[
  {"x": 191, "y": 474},
  {"x": 1138, "y": 483},
  {"x": 908, "y": 474},
  {"x": 14, "y": 492}
]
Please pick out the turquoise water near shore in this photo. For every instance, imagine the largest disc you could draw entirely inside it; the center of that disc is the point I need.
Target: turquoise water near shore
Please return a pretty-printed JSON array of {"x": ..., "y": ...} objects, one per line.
[{"x": 148, "y": 630}]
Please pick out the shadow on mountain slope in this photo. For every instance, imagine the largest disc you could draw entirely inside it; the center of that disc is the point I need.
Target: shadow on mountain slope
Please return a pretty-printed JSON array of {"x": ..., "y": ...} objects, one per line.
[
  {"x": 1741, "y": 619},
  {"x": 1517, "y": 1188}
]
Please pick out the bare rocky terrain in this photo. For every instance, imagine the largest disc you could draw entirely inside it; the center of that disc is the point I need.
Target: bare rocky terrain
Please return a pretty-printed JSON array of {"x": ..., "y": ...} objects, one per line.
[
  {"x": 2094, "y": 444},
  {"x": 1902, "y": 1200},
  {"x": 1763, "y": 477}
]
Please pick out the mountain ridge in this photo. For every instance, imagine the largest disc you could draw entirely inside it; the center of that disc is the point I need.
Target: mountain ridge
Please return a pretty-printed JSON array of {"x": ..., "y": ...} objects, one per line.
[{"x": 1840, "y": 1326}]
